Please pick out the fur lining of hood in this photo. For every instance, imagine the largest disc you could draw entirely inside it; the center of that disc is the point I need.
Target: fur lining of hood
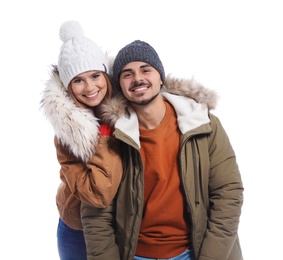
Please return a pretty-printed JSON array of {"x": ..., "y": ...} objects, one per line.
[
  {"x": 191, "y": 89},
  {"x": 118, "y": 106},
  {"x": 75, "y": 127}
]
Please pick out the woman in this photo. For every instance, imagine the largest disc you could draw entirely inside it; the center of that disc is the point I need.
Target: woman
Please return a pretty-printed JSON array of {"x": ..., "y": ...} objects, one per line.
[{"x": 89, "y": 156}]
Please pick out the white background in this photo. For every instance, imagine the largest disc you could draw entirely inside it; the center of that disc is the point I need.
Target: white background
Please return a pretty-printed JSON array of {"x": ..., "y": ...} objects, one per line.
[{"x": 233, "y": 47}]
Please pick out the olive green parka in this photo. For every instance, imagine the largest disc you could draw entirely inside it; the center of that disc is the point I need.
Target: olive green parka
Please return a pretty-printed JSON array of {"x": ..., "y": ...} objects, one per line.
[{"x": 209, "y": 175}]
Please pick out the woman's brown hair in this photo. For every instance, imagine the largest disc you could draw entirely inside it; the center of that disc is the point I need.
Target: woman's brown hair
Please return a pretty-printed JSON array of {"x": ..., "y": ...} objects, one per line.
[{"x": 109, "y": 86}]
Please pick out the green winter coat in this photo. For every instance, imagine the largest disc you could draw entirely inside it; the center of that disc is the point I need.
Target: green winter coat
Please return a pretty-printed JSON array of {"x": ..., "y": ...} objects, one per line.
[{"x": 209, "y": 175}]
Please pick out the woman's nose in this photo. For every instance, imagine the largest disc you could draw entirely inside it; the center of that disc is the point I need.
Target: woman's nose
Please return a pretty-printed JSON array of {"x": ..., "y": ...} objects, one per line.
[{"x": 89, "y": 84}]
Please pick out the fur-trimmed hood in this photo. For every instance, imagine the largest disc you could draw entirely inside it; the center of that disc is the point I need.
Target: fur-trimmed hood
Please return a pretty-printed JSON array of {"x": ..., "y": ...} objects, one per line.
[
  {"x": 118, "y": 106},
  {"x": 75, "y": 127},
  {"x": 78, "y": 128},
  {"x": 191, "y": 89}
]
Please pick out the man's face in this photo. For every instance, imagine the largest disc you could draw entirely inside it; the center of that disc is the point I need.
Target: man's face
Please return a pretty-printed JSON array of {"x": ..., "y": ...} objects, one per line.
[{"x": 140, "y": 82}]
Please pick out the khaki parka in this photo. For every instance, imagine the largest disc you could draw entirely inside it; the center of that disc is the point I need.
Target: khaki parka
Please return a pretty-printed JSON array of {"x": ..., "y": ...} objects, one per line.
[
  {"x": 208, "y": 170},
  {"x": 91, "y": 165}
]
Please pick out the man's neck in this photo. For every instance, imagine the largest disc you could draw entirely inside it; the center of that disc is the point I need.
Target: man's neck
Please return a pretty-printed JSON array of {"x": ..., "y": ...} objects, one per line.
[{"x": 151, "y": 115}]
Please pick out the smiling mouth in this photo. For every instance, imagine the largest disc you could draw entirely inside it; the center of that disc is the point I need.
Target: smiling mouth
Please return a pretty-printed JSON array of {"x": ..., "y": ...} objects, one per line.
[
  {"x": 139, "y": 89},
  {"x": 92, "y": 95}
]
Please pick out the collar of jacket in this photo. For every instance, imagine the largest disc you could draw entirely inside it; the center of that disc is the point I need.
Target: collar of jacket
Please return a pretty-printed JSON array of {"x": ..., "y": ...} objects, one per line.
[
  {"x": 190, "y": 115},
  {"x": 191, "y": 101},
  {"x": 75, "y": 127}
]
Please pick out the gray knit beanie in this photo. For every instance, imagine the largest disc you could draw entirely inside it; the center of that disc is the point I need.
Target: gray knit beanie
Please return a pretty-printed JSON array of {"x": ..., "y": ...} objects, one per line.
[
  {"x": 137, "y": 51},
  {"x": 78, "y": 53}
]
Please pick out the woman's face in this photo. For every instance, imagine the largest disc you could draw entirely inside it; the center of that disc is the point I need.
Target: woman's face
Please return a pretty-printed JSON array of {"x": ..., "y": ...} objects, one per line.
[{"x": 89, "y": 87}]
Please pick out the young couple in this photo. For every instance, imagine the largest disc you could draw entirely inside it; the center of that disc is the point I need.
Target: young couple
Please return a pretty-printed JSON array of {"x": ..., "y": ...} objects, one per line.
[{"x": 147, "y": 173}]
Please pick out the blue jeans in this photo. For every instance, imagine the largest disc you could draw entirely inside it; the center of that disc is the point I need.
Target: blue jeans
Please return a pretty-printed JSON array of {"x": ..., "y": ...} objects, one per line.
[
  {"x": 70, "y": 242},
  {"x": 184, "y": 256}
]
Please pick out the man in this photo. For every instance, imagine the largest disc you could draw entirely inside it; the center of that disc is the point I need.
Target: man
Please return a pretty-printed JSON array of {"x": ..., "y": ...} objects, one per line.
[{"x": 181, "y": 194}]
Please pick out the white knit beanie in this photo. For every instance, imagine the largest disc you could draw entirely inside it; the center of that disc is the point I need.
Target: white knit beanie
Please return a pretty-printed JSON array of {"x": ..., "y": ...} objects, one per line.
[{"x": 78, "y": 53}]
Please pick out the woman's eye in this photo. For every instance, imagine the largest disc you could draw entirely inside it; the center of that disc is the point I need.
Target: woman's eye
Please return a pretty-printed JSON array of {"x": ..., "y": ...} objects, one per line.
[{"x": 77, "y": 81}]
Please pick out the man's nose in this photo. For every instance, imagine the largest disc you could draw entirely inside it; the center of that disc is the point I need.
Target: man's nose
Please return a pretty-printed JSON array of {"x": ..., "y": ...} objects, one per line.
[{"x": 138, "y": 77}]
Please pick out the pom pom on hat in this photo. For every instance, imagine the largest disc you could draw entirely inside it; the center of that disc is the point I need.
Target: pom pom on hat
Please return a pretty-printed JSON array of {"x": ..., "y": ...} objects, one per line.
[
  {"x": 78, "y": 53},
  {"x": 69, "y": 30}
]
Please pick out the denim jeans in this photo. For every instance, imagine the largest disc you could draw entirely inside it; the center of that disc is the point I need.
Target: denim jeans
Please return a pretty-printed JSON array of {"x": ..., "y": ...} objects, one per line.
[
  {"x": 71, "y": 243},
  {"x": 184, "y": 256}
]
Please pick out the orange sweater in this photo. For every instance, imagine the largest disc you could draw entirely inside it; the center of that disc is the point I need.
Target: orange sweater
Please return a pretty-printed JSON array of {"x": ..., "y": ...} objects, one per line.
[{"x": 164, "y": 231}]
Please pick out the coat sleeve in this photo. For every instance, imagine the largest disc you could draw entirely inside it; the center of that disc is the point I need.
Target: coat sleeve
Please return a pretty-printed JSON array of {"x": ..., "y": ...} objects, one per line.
[
  {"x": 225, "y": 198},
  {"x": 99, "y": 232},
  {"x": 96, "y": 181}
]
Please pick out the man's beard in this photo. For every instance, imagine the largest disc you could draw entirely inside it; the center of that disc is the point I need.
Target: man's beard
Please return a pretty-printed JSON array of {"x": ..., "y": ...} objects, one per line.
[{"x": 144, "y": 102}]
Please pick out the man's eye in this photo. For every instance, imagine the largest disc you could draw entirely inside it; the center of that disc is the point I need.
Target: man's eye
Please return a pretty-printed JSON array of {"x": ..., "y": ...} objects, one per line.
[{"x": 127, "y": 75}]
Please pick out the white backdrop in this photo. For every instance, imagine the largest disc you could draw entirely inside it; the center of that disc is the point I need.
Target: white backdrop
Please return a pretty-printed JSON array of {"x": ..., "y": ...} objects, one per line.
[{"x": 233, "y": 47}]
